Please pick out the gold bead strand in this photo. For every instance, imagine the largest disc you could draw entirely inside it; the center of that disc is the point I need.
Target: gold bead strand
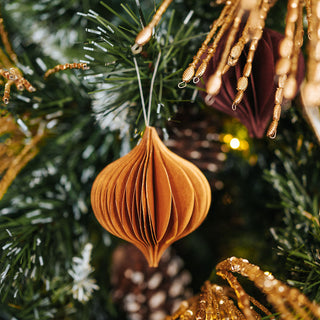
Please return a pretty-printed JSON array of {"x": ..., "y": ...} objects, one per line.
[
  {"x": 189, "y": 72},
  {"x": 272, "y": 130},
  {"x": 286, "y": 47},
  {"x": 284, "y": 64},
  {"x": 290, "y": 87},
  {"x": 223, "y": 22},
  {"x": 311, "y": 90},
  {"x": 245, "y": 38},
  {"x": 145, "y": 34},
  {"x": 237, "y": 49},
  {"x": 309, "y": 17},
  {"x": 255, "y": 24},
  {"x": 215, "y": 81},
  {"x": 212, "y": 48}
]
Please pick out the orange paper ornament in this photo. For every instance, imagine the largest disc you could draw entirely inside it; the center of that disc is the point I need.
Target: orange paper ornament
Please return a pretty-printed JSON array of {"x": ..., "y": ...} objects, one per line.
[{"x": 151, "y": 197}]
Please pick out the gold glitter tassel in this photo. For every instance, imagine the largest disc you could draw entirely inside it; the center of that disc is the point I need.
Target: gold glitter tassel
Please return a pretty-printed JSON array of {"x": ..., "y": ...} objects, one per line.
[
  {"x": 214, "y": 302},
  {"x": 16, "y": 151},
  {"x": 289, "y": 302},
  {"x": 6, "y": 42}
]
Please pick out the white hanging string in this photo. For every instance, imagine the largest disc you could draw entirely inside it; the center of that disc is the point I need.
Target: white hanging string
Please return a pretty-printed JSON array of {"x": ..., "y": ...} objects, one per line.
[
  {"x": 141, "y": 91},
  {"x": 152, "y": 84},
  {"x": 147, "y": 118}
]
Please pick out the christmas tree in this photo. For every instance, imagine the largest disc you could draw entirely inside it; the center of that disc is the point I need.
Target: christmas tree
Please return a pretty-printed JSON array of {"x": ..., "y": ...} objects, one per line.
[{"x": 83, "y": 85}]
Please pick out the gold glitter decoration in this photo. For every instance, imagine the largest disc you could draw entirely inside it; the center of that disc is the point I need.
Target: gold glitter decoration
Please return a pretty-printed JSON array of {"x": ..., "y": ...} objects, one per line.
[
  {"x": 214, "y": 302},
  {"x": 61, "y": 67},
  {"x": 6, "y": 42},
  {"x": 8, "y": 68},
  {"x": 17, "y": 149}
]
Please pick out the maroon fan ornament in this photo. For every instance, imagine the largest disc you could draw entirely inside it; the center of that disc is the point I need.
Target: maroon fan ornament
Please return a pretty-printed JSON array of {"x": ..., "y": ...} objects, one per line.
[{"x": 255, "y": 107}]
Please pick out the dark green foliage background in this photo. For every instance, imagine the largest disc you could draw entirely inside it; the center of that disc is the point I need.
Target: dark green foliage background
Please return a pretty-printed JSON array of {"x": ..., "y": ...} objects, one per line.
[{"x": 274, "y": 193}]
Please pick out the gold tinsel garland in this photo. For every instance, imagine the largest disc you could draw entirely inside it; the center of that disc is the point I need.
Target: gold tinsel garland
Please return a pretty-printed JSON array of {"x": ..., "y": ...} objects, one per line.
[
  {"x": 253, "y": 14},
  {"x": 215, "y": 303}
]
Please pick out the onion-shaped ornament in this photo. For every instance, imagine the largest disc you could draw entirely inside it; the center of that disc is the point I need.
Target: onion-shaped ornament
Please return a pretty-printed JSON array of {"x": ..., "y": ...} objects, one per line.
[{"x": 151, "y": 197}]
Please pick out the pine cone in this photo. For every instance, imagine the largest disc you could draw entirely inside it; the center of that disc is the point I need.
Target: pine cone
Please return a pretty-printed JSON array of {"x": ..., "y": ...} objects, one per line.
[
  {"x": 194, "y": 135},
  {"x": 145, "y": 293}
]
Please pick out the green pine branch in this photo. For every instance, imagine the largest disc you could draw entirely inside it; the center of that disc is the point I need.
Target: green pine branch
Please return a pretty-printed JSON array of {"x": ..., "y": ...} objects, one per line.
[
  {"x": 295, "y": 176},
  {"x": 112, "y": 65}
]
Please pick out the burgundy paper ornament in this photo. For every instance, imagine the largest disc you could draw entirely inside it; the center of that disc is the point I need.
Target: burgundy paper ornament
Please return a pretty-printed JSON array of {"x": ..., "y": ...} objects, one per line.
[
  {"x": 151, "y": 197},
  {"x": 256, "y": 107}
]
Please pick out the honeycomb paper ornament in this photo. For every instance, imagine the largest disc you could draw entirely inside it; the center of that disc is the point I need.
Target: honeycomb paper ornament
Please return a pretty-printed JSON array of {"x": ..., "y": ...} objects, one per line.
[
  {"x": 151, "y": 197},
  {"x": 251, "y": 98}
]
